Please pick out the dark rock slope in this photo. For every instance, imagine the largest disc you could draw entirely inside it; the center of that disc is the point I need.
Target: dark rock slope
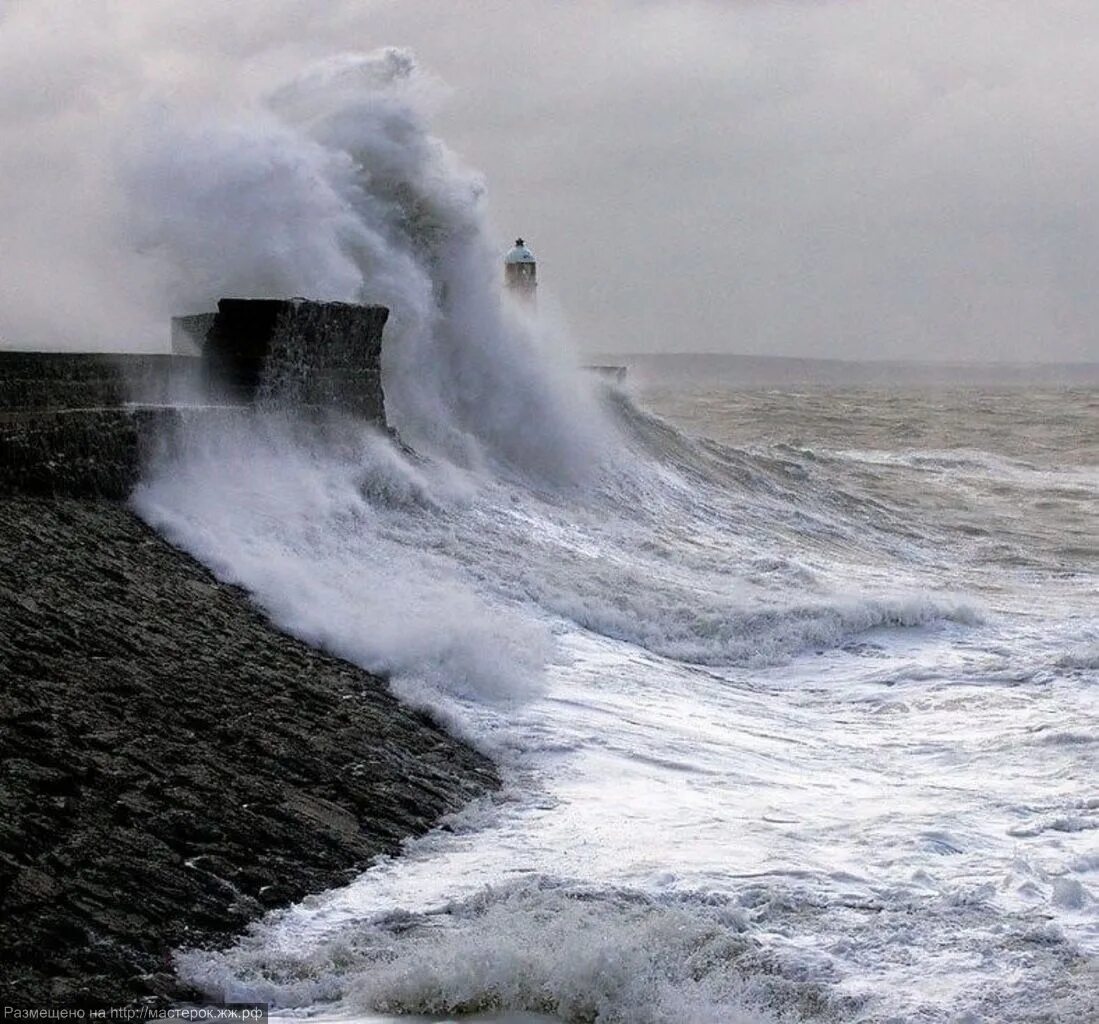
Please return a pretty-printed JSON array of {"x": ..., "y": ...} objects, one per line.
[{"x": 170, "y": 765}]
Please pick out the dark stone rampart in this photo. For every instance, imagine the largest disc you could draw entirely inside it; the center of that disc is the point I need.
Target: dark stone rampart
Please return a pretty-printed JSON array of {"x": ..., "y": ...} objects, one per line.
[
  {"x": 171, "y": 766},
  {"x": 84, "y": 424},
  {"x": 92, "y": 453},
  {"x": 189, "y": 333},
  {"x": 299, "y": 353},
  {"x": 327, "y": 355},
  {"x": 78, "y": 380}
]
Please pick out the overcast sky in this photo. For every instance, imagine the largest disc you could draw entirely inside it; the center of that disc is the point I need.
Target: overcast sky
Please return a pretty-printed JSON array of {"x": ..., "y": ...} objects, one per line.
[{"x": 849, "y": 179}]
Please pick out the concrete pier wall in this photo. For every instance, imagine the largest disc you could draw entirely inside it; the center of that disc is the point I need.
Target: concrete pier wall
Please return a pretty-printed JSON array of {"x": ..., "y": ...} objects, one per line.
[
  {"x": 93, "y": 453},
  {"x": 189, "y": 333},
  {"x": 173, "y": 766},
  {"x": 84, "y": 424},
  {"x": 298, "y": 353},
  {"x": 73, "y": 380}
]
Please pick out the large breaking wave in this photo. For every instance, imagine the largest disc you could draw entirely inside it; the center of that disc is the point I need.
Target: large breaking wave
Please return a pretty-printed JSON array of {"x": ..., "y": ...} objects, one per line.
[{"x": 334, "y": 188}]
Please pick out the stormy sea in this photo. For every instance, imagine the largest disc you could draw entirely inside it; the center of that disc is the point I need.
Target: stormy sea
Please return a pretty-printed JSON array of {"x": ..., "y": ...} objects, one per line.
[{"x": 793, "y": 682}]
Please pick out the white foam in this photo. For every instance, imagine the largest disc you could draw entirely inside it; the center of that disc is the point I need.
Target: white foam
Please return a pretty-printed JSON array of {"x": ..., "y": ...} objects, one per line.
[
  {"x": 537, "y": 620},
  {"x": 305, "y": 527},
  {"x": 1084, "y": 656},
  {"x": 533, "y": 947}
]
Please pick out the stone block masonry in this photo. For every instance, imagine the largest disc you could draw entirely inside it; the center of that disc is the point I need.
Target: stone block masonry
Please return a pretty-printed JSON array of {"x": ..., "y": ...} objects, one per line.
[
  {"x": 32, "y": 381},
  {"x": 298, "y": 353},
  {"x": 84, "y": 424}
]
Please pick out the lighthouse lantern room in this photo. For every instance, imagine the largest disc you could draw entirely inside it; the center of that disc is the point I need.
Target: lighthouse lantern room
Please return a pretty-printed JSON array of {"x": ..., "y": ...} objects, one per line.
[{"x": 521, "y": 271}]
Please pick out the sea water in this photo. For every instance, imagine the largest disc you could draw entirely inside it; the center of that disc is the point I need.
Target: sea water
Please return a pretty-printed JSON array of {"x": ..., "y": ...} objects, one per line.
[{"x": 797, "y": 709}]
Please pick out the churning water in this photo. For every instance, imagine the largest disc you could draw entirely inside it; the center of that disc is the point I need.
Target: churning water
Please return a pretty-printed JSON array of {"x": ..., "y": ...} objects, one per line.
[
  {"x": 800, "y": 721},
  {"x": 795, "y": 689}
]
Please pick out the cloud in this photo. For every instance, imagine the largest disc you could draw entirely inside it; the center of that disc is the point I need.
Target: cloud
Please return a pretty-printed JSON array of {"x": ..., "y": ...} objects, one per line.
[
  {"x": 831, "y": 179},
  {"x": 86, "y": 87},
  {"x": 859, "y": 179}
]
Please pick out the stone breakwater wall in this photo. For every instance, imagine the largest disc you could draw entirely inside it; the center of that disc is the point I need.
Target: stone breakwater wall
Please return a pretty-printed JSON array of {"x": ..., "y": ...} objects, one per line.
[
  {"x": 171, "y": 765},
  {"x": 298, "y": 353},
  {"x": 79, "y": 452},
  {"x": 84, "y": 424},
  {"x": 35, "y": 381}
]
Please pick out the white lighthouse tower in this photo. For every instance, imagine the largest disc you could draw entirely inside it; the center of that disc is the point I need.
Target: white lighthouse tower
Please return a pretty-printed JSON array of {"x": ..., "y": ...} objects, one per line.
[{"x": 521, "y": 272}]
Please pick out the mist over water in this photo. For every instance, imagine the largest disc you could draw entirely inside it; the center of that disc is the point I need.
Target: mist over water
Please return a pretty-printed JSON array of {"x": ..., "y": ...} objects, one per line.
[{"x": 794, "y": 705}]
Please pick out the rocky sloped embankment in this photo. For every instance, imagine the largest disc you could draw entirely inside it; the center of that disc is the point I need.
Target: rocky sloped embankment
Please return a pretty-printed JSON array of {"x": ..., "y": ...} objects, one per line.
[{"x": 171, "y": 765}]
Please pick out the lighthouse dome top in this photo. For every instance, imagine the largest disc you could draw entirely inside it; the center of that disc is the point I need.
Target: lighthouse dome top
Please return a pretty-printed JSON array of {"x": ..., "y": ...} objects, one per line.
[{"x": 520, "y": 254}]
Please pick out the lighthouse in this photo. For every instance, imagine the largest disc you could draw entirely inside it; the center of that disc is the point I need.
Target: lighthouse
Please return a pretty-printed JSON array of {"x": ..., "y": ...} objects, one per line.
[{"x": 520, "y": 272}]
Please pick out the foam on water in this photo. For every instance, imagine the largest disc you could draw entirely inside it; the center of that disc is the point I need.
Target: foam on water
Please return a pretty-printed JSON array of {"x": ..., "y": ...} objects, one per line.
[{"x": 543, "y": 947}]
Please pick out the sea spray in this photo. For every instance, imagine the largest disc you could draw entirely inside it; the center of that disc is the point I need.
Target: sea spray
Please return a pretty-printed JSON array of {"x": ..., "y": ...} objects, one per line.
[
  {"x": 310, "y": 518},
  {"x": 532, "y": 504},
  {"x": 332, "y": 187},
  {"x": 576, "y": 953}
]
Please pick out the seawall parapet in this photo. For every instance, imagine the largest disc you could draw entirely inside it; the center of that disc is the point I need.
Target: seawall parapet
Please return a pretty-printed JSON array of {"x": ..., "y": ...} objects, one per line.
[
  {"x": 83, "y": 424},
  {"x": 31, "y": 381},
  {"x": 299, "y": 353}
]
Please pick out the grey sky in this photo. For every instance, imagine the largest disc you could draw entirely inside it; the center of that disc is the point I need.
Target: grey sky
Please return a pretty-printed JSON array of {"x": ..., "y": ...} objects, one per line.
[{"x": 911, "y": 178}]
